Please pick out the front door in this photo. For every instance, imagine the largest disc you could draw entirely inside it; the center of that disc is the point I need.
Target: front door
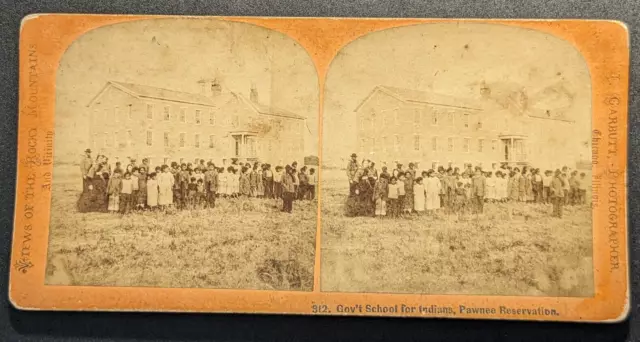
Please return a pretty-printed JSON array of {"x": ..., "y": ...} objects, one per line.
[
  {"x": 237, "y": 141},
  {"x": 507, "y": 149}
]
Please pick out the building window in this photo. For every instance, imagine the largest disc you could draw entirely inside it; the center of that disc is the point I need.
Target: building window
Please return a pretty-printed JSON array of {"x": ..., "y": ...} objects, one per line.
[
  {"x": 196, "y": 141},
  {"x": 183, "y": 115},
  {"x": 480, "y": 124},
  {"x": 198, "y": 116},
  {"x": 105, "y": 143},
  {"x": 416, "y": 117},
  {"x": 385, "y": 144},
  {"x": 96, "y": 116},
  {"x": 396, "y": 144},
  {"x": 480, "y": 145},
  {"x": 236, "y": 121},
  {"x": 149, "y": 111},
  {"x": 434, "y": 144},
  {"x": 182, "y": 139},
  {"x": 434, "y": 118},
  {"x": 167, "y": 113},
  {"x": 130, "y": 112},
  {"x": 395, "y": 117},
  {"x": 450, "y": 118},
  {"x": 465, "y": 120},
  {"x": 212, "y": 118},
  {"x": 465, "y": 144},
  {"x": 416, "y": 142},
  {"x": 363, "y": 142},
  {"x": 106, "y": 116},
  {"x": 450, "y": 144},
  {"x": 494, "y": 145},
  {"x": 149, "y": 138},
  {"x": 166, "y": 139},
  {"x": 212, "y": 139},
  {"x": 115, "y": 139},
  {"x": 94, "y": 143},
  {"x": 116, "y": 114},
  {"x": 129, "y": 138}
]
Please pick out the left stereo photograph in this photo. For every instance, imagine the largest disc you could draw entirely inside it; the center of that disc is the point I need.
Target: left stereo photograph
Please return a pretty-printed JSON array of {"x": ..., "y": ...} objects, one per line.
[{"x": 175, "y": 140}]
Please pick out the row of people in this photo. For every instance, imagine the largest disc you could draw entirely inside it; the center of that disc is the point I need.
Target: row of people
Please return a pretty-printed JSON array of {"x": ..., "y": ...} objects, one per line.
[
  {"x": 188, "y": 186},
  {"x": 406, "y": 191}
]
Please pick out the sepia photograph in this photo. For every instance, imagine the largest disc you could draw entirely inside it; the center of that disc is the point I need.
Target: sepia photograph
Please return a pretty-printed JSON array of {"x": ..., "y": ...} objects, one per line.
[
  {"x": 457, "y": 160},
  {"x": 185, "y": 156}
]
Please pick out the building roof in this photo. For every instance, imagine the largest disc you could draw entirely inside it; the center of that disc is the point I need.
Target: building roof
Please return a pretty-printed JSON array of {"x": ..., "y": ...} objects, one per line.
[
  {"x": 163, "y": 94},
  {"x": 144, "y": 91},
  {"x": 272, "y": 110},
  {"x": 419, "y": 96}
]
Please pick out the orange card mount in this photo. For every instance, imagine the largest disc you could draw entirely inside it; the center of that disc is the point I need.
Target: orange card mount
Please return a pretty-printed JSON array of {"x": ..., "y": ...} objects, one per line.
[{"x": 325, "y": 166}]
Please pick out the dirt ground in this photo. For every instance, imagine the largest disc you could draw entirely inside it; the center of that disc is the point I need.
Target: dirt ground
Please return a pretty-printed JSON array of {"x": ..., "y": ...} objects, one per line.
[
  {"x": 241, "y": 244},
  {"x": 512, "y": 249}
]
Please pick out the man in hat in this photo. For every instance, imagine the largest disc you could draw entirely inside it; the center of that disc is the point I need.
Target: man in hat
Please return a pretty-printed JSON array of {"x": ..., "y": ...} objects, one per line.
[
  {"x": 85, "y": 166},
  {"x": 352, "y": 167}
]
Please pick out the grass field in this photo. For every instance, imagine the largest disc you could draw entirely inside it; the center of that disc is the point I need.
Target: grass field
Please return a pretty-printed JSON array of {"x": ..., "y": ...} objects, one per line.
[
  {"x": 512, "y": 249},
  {"x": 241, "y": 244}
]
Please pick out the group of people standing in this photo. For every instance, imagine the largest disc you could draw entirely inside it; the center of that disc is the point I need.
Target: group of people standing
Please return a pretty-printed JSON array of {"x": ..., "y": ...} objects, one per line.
[
  {"x": 455, "y": 191},
  {"x": 122, "y": 189}
]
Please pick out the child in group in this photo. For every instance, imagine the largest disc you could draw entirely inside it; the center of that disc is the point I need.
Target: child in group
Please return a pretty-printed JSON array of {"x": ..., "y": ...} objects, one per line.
[
  {"x": 114, "y": 187},
  {"x": 135, "y": 186},
  {"x": 392, "y": 197},
  {"x": 546, "y": 184},
  {"x": 583, "y": 183},
  {"x": 401, "y": 193},
  {"x": 313, "y": 179},
  {"x": 419, "y": 196},
  {"x": 198, "y": 174},
  {"x": 245, "y": 182},
  {"x": 200, "y": 199},
  {"x": 432, "y": 188},
  {"x": 253, "y": 180},
  {"x": 125, "y": 193},
  {"x": 234, "y": 182},
  {"x": 192, "y": 193},
  {"x": 288, "y": 189},
  {"x": 223, "y": 180},
  {"x": 277, "y": 183},
  {"x": 380, "y": 193},
  {"x": 409, "y": 176},
  {"x": 141, "y": 201},
  {"x": 465, "y": 179},
  {"x": 490, "y": 188},
  {"x": 461, "y": 200},
  {"x": 303, "y": 182},
  {"x": 152, "y": 191},
  {"x": 267, "y": 179},
  {"x": 504, "y": 196},
  {"x": 574, "y": 188},
  {"x": 165, "y": 187}
]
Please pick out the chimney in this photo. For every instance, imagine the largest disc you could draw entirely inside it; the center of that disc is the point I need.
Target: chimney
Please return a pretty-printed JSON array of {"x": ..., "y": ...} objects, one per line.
[
  {"x": 253, "y": 95},
  {"x": 485, "y": 91},
  {"x": 210, "y": 87}
]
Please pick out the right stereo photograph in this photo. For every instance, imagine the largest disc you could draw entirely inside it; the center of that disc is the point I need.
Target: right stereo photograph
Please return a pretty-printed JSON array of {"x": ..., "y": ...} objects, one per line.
[{"x": 456, "y": 159}]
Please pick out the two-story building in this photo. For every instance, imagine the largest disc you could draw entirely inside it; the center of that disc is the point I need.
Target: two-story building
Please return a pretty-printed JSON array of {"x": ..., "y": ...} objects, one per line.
[
  {"x": 138, "y": 121},
  {"x": 404, "y": 125}
]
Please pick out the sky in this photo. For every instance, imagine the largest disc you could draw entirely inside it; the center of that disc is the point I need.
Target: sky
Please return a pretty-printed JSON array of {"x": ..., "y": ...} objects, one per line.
[
  {"x": 175, "y": 53},
  {"x": 452, "y": 59}
]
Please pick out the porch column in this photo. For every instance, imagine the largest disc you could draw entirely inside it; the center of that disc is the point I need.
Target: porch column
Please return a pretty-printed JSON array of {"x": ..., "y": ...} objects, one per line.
[
  {"x": 512, "y": 151},
  {"x": 243, "y": 145}
]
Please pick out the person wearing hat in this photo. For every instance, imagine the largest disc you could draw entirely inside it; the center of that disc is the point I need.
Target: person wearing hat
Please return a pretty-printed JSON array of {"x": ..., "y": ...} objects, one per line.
[
  {"x": 352, "y": 168},
  {"x": 557, "y": 194},
  {"x": 85, "y": 166}
]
